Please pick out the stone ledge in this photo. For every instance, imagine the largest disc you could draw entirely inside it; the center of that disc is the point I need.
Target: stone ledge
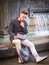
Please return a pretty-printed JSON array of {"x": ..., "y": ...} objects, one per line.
[
  {"x": 8, "y": 44},
  {"x": 10, "y": 50},
  {"x": 41, "y": 45}
]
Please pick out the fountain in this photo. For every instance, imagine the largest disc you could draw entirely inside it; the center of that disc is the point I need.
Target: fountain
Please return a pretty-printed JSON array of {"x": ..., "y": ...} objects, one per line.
[
  {"x": 38, "y": 28},
  {"x": 41, "y": 23}
]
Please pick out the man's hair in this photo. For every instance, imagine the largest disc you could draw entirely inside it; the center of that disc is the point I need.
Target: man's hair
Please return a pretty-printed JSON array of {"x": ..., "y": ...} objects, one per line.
[{"x": 24, "y": 12}]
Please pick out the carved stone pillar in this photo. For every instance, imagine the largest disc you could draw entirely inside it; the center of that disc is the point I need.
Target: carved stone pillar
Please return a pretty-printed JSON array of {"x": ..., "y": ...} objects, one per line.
[{"x": 3, "y": 16}]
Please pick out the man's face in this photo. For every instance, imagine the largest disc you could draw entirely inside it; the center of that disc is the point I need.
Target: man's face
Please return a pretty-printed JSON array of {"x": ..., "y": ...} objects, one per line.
[{"x": 23, "y": 17}]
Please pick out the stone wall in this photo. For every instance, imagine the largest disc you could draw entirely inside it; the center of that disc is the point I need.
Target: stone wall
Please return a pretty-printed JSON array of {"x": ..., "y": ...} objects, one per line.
[
  {"x": 16, "y": 6},
  {"x": 3, "y": 16},
  {"x": 11, "y": 8}
]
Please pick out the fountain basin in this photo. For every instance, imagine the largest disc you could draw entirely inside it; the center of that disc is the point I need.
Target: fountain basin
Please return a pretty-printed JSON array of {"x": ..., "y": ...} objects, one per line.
[{"x": 41, "y": 43}]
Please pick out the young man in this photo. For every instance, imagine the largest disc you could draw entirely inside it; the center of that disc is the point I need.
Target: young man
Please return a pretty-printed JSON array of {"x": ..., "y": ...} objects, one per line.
[{"x": 19, "y": 25}]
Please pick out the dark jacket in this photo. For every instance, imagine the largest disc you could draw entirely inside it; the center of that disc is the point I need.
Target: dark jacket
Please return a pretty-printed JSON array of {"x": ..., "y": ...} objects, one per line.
[{"x": 15, "y": 28}]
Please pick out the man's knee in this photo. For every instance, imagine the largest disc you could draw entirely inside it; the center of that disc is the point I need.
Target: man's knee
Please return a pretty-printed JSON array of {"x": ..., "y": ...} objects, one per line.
[
  {"x": 16, "y": 41},
  {"x": 31, "y": 45}
]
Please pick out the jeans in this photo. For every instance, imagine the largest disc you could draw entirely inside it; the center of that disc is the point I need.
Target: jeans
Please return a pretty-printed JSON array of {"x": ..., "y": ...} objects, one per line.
[{"x": 27, "y": 43}]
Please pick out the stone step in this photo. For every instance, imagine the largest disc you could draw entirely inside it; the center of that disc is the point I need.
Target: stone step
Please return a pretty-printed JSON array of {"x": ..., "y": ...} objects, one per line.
[
  {"x": 41, "y": 45},
  {"x": 10, "y": 50},
  {"x": 7, "y": 49}
]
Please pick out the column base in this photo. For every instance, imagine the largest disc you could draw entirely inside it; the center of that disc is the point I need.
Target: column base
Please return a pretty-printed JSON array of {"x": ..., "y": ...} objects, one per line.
[{"x": 3, "y": 32}]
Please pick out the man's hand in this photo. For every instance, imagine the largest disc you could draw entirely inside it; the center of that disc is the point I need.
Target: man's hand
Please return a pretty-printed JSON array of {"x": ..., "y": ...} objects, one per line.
[
  {"x": 22, "y": 24},
  {"x": 15, "y": 37}
]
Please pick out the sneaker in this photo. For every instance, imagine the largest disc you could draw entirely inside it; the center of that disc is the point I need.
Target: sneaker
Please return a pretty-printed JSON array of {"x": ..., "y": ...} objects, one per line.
[
  {"x": 20, "y": 61},
  {"x": 39, "y": 59}
]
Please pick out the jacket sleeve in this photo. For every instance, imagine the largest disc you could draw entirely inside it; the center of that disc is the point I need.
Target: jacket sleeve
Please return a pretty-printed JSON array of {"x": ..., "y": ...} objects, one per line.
[{"x": 25, "y": 28}]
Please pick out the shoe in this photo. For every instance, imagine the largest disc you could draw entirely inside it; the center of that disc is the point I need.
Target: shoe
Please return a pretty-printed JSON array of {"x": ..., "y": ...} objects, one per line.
[
  {"x": 39, "y": 59},
  {"x": 20, "y": 61}
]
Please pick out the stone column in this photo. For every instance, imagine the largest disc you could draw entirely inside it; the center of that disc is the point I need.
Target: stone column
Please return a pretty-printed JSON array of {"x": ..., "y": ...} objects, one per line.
[{"x": 3, "y": 16}]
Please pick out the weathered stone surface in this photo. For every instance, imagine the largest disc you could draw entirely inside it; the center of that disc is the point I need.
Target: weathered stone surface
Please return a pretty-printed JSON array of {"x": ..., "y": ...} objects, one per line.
[
  {"x": 8, "y": 49},
  {"x": 13, "y": 10}
]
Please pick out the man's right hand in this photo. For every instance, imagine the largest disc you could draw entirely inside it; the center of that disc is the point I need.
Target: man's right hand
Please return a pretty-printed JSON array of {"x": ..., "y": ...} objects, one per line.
[
  {"x": 15, "y": 37},
  {"x": 22, "y": 24}
]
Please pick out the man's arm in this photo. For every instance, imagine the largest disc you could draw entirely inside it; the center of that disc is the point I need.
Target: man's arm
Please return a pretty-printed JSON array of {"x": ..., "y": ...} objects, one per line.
[
  {"x": 10, "y": 30},
  {"x": 24, "y": 27}
]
